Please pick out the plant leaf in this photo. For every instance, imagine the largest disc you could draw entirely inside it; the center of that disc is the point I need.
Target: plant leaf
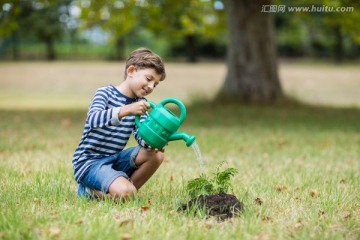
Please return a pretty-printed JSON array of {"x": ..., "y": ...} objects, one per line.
[{"x": 200, "y": 186}]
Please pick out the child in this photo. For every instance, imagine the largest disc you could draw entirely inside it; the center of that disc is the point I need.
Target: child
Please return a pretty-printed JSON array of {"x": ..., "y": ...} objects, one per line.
[{"x": 101, "y": 165}]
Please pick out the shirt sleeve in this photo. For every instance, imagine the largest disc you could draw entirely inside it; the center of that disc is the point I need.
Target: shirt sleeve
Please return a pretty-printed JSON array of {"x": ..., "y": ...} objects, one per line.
[
  {"x": 137, "y": 137},
  {"x": 99, "y": 115}
]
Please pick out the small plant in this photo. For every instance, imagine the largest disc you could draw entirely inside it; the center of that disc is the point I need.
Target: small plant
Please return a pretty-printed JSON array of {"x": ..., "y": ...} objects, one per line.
[
  {"x": 218, "y": 183},
  {"x": 209, "y": 195},
  {"x": 222, "y": 179},
  {"x": 200, "y": 186}
]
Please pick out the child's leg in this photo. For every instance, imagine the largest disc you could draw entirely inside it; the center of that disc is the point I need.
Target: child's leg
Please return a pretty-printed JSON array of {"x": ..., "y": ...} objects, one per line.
[
  {"x": 119, "y": 189},
  {"x": 148, "y": 162}
]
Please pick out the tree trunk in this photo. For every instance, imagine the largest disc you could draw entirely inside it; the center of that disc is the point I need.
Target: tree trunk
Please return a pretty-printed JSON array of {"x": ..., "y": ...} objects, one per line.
[
  {"x": 339, "y": 46},
  {"x": 15, "y": 46},
  {"x": 120, "y": 48},
  {"x": 50, "y": 48},
  {"x": 191, "y": 48},
  {"x": 251, "y": 55}
]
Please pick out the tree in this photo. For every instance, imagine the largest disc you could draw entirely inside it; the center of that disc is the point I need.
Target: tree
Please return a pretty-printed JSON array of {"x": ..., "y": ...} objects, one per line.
[
  {"x": 328, "y": 28},
  {"x": 117, "y": 17},
  {"x": 188, "y": 20},
  {"x": 44, "y": 23},
  {"x": 342, "y": 20},
  {"x": 191, "y": 21},
  {"x": 38, "y": 19},
  {"x": 9, "y": 27},
  {"x": 174, "y": 20},
  {"x": 252, "y": 73}
]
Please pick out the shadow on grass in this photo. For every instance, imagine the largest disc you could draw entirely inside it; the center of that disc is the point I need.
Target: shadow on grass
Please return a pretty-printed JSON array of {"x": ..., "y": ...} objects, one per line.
[
  {"x": 283, "y": 114},
  {"x": 224, "y": 113}
]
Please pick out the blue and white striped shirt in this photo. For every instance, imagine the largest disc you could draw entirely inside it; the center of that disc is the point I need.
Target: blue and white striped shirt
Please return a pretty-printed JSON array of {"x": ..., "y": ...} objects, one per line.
[{"x": 104, "y": 133}]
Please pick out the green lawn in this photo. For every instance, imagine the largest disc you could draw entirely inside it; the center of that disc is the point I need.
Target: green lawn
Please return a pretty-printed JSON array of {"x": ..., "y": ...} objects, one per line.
[
  {"x": 298, "y": 176},
  {"x": 298, "y": 165}
]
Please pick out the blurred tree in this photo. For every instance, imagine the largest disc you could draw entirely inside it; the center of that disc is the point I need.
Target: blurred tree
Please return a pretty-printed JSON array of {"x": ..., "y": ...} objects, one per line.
[
  {"x": 324, "y": 26},
  {"x": 115, "y": 16},
  {"x": 292, "y": 39},
  {"x": 44, "y": 22},
  {"x": 342, "y": 20},
  {"x": 252, "y": 73},
  {"x": 174, "y": 20},
  {"x": 188, "y": 20},
  {"x": 9, "y": 26},
  {"x": 40, "y": 18}
]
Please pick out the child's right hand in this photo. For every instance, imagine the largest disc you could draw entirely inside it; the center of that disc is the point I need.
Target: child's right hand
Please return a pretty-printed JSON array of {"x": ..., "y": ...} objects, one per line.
[{"x": 136, "y": 108}]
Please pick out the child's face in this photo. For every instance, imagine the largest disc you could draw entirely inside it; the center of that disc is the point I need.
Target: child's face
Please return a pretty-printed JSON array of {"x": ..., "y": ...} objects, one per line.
[{"x": 142, "y": 81}]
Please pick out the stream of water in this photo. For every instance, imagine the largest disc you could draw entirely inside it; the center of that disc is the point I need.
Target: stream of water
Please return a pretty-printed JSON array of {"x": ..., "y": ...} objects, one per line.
[{"x": 195, "y": 147}]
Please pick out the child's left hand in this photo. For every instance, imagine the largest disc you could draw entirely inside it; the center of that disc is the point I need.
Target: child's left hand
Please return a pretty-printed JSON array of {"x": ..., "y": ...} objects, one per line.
[{"x": 149, "y": 148}]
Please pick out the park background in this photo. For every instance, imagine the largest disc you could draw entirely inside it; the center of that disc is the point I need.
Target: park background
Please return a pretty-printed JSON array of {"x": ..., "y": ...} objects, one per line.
[{"x": 289, "y": 121}]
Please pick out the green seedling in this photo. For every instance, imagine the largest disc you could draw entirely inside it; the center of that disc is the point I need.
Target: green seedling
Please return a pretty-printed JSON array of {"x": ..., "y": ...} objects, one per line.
[{"x": 219, "y": 182}]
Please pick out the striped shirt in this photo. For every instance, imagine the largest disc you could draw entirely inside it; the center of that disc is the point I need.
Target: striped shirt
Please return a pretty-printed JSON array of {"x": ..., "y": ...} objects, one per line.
[{"x": 104, "y": 133}]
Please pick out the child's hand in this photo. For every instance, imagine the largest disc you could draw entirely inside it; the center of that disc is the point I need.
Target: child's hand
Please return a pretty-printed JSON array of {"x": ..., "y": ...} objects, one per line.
[
  {"x": 136, "y": 108},
  {"x": 149, "y": 148}
]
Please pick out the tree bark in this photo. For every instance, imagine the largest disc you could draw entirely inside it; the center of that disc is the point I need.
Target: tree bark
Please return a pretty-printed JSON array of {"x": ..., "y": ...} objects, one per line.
[
  {"x": 120, "y": 48},
  {"x": 50, "y": 48},
  {"x": 191, "y": 45},
  {"x": 339, "y": 46},
  {"x": 15, "y": 46},
  {"x": 252, "y": 73}
]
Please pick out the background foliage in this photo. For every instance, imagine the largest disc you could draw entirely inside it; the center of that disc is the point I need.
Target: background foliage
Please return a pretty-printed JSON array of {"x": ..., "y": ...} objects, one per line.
[{"x": 191, "y": 29}]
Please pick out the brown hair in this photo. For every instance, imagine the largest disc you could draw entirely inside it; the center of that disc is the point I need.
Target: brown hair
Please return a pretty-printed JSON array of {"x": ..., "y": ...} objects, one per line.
[{"x": 144, "y": 58}]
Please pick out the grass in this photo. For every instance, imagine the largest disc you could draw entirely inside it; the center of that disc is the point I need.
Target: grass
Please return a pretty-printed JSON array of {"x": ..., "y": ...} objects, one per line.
[
  {"x": 298, "y": 177},
  {"x": 298, "y": 165}
]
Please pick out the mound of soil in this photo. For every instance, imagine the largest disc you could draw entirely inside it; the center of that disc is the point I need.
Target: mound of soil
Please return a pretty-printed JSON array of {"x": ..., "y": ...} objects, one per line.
[{"x": 221, "y": 206}]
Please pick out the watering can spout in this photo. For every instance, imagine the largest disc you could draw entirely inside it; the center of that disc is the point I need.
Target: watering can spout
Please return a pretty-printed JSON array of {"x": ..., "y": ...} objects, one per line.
[{"x": 181, "y": 135}]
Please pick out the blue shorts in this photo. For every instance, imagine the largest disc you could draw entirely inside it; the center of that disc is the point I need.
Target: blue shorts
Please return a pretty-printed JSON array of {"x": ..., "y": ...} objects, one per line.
[{"x": 104, "y": 171}]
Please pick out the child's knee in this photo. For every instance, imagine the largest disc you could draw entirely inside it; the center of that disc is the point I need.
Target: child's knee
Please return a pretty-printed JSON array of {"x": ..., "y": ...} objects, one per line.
[
  {"x": 122, "y": 188},
  {"x": 158, "y": 157},
  {"x": 151, "y": 157},
  {"x": 125, "y": 192}
]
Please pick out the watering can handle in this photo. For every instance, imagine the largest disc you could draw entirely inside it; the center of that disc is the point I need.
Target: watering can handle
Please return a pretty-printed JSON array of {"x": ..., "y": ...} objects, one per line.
[
  {"x": 179, "y": 104},
  {"x": 137, "y": 117}
]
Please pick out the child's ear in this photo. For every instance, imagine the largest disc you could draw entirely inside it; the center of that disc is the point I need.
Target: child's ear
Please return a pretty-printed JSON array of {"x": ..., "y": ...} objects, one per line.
[{"x": 130, "y": 70}]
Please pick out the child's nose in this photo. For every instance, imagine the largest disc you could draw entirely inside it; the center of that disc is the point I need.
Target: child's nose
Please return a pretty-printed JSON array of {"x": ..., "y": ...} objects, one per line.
[{"x": 151, "y": 86}]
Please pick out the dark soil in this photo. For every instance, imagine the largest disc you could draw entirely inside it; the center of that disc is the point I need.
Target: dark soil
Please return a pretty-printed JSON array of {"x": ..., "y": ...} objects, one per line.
[{"x": 221, "y": 206}]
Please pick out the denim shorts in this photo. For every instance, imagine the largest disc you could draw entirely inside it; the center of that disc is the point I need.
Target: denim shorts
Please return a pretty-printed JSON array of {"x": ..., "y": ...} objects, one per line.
[{"x": 104, "y": 171}]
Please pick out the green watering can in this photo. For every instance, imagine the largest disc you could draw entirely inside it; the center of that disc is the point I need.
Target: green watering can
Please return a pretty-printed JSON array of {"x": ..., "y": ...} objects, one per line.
[{"x": 161, "y": 125}]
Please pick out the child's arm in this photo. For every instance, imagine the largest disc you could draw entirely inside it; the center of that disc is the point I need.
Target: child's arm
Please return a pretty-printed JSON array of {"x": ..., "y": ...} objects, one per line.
[
  {"x": 99, "y": 116},
  {"x": 137, "y": 108}
]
